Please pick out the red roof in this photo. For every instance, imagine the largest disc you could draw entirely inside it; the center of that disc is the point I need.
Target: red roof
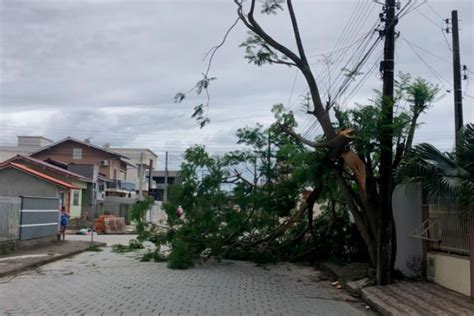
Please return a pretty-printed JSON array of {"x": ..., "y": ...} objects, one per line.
[
  {"x": 46, "y": 165},
  {"x": 42, "y": 176}
]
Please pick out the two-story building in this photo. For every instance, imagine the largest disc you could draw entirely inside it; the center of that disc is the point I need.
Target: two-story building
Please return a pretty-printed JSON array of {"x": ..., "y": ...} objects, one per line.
[
  {"x": 108, "y": 169},
  {"x": 163, "y": 179},
  {"x": 143, "y": 159}
]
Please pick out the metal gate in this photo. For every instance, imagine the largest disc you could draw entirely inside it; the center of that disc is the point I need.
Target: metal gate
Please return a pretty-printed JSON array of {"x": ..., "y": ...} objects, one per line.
[{"x": 39, "y": 217}]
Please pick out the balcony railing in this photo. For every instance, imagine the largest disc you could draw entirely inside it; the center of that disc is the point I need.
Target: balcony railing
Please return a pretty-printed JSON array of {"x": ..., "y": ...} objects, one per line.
[{"x": 121, "y": 185}]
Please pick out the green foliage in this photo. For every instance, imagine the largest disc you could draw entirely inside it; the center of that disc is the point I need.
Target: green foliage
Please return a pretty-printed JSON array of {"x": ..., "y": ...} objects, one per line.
[
  {"x": 232, "y": 201},
  {"x": 412, "y": 98},
  {"x": 132, "y": 246},
  {"x": 271, "y": 6},
  {"x": 181, "y": 256},
  {"x": 119, "y": 248},
  {"x": 443, "y": 174},
  {"x": 154, "y": 255},
  {"x": 94, "y": 247},
  {"x": 200, "y": 87},
  {"x": 137, "y": 214},
  {"x": 258, "y": 52}
]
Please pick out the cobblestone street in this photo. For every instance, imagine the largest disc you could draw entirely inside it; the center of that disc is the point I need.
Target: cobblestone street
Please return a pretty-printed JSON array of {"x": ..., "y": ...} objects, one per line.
[{"x": 110, "y": 284}]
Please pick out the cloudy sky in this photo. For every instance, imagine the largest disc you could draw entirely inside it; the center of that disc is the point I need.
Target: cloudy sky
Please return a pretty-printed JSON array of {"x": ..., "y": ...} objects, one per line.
[{"x": 109, "y": 69}]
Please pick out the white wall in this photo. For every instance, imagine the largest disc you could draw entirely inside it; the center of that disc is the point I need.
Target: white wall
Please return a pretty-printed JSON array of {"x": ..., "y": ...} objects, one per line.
[
  {"x": 450, "y": 271},
  {"x": 406, "y": 202}
]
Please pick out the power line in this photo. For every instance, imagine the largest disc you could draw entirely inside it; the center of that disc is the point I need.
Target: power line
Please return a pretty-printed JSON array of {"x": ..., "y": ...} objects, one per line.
[
  {"x": 431, "y": 69},
  {"x": 428, "y": 52},
  {"x": 432, "y": 9}
]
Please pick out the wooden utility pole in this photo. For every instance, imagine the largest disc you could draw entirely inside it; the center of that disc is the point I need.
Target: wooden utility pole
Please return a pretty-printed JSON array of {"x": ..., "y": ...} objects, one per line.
[
  {"x": 384, "y": 244},
  {"x": 458, "y": 120},
  {"x": 165, "y": 190}
]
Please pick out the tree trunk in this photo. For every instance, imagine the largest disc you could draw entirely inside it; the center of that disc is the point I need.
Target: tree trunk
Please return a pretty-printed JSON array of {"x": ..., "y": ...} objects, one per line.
[{"x": 360, "y": 218}]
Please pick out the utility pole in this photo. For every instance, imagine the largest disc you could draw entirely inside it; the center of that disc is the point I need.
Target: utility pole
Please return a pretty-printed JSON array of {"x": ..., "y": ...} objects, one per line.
[
  {"x": 165, "y": 191},
  {"x": 150, "y": 210},
  {"x": 140, "y": 178},
  {"x": 384, "y": 244},
  {"x": 458, "y": 119},
  {"x": 149, "y": 176},
  {"x": 269, "y": 155}
]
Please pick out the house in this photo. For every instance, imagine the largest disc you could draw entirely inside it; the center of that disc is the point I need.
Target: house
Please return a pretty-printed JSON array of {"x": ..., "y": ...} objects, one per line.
[
  {"x": 140, "y": 158},
  {"x": 434, "y": 239},
  {"x": 25, "y": 145},
  {"x": 78, "y": 204},
  {"x": 16, "y": 179},
  {"x": 163, "y": 179},
  {"x": 73, "y": 151},
  {"x": 107, "y": 168}
]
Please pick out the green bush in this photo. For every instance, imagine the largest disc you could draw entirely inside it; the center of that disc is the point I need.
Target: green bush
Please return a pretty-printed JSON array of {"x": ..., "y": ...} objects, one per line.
[
  {"x": 181, "y": 256},
  {"x": 135, "y": 244},
  {"x": 132, "y": 246},
  {"x": 153, "y": 255},
  {"x": 94, "y": 247}
]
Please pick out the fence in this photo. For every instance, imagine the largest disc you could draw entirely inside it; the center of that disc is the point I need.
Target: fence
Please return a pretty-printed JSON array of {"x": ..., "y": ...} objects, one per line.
[
  {"x": 9, "y": 218},
  {"x": 449, "y": 231}
]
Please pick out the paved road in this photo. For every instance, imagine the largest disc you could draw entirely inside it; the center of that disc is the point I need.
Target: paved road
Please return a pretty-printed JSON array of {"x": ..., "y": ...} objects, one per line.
[
  {"x": 111, "y": 284},
  {"x": 108, "y": 239}
]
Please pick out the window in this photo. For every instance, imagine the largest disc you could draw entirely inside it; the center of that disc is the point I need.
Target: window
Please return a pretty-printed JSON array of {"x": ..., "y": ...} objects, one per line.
[
  {"x": 77, "y": 153},
  {"x": 75, "y": 198},
  {"x": 115, "y": 174},
  {"x": 62, "y": 201}
]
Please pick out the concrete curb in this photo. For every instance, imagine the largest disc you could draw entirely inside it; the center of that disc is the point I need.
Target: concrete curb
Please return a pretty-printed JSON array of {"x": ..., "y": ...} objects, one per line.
[
  {"x": 356, "y": 291},
  {"x": 379, "y": 308},
  {"x": 47, "y": 260}
]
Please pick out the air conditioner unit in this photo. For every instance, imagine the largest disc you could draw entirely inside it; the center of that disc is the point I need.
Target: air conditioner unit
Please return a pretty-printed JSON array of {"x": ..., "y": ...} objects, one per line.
[
  {"x": 100, "y": 195},
  {"x": 104, "y": 163}
]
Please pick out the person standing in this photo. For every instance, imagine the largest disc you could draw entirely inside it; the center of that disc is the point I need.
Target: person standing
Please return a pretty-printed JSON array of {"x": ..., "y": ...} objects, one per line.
[{"x": 64, "y": 221}]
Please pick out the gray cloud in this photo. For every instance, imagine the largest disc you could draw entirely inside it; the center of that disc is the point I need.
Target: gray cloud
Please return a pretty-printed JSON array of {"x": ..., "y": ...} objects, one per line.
[{"x": 110, "y": 69}]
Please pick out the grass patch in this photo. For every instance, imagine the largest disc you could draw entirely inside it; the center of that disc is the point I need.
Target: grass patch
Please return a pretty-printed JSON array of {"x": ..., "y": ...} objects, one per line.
[
  {"x": 132, "y": 246},
  {"x": 94, "y": 248}
]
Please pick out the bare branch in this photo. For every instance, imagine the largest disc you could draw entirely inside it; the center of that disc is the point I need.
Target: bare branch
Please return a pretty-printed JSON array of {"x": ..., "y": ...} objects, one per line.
[
  {"x": 299, "y": 43},
  {"x": 270, "y": 40},
  {"x": 300, "y": 138},
  {"x": 282, "y": 62},
  {"x": 241, "y": 14},
  {"x": 214, "y": 49},
  {"x": 239, "y": 176}
]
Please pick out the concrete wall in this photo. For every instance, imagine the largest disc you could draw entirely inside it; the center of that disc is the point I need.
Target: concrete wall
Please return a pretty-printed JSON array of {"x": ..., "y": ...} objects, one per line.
[
  {"x": 450, "y": 271},
  {"x": 33, "y": 141},
  {"x": 9, "y": 218},
  {"x": 16, "y": 183},
  {"x": 118, "y": 206},
  {"x": 407, "y": 202}
]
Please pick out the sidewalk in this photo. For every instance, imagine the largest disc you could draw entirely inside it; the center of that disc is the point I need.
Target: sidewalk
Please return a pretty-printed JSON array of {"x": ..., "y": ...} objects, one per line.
[
  {"x": 403, "y": 297},
  {"x": 417, "y": 298},
  {"x": 29, "y": 258}
]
